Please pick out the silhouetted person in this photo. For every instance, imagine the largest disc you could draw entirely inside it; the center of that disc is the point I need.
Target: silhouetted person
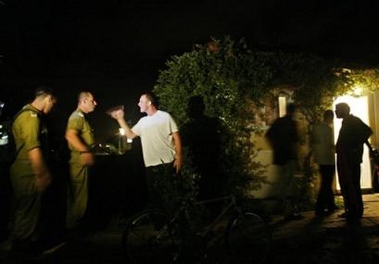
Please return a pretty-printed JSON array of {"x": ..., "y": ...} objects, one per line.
[
  {"x": 323, "y": 152},
  {"x": 349, "y": 148},
  {"x": 283, "y": 137},
  {"x": 203, "y": 136}
]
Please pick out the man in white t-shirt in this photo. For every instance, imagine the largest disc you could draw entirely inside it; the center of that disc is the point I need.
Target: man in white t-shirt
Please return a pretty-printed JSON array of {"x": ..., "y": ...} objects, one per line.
[
  {"x": 323, "y": 152},
  {"x": 161, "y": 147}
]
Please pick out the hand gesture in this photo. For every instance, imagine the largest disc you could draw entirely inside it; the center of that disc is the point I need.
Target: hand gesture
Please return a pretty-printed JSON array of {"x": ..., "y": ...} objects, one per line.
[{"x": 116, "y": 112}]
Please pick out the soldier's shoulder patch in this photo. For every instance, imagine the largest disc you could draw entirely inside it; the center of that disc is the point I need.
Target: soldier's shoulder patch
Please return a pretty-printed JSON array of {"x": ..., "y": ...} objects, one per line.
[{"x": 76, "y": 114}]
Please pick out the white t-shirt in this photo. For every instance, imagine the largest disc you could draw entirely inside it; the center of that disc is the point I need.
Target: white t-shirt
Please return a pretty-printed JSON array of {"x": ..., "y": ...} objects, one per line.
[
  {"x": 156, "y": 138},
  {"x": 323, "y": 144}
]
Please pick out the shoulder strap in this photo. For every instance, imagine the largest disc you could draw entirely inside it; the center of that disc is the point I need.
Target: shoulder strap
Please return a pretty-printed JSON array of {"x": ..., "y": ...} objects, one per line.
[
  {"x": 11, "y": 125},
  {"x": 21, "y": 111}
]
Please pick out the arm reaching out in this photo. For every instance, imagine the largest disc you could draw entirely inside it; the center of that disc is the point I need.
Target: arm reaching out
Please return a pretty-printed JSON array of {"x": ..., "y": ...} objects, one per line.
[{"x": 119, "y": 116}]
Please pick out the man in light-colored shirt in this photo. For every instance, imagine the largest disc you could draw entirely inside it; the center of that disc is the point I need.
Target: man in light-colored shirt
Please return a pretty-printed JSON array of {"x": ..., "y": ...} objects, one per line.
[
  {"x": 161, "y": 148},
  {"x": 323, "y": 153}
]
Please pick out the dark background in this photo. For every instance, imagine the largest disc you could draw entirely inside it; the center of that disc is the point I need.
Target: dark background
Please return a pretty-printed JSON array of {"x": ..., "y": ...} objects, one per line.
[{"x": 116, "y": 48}]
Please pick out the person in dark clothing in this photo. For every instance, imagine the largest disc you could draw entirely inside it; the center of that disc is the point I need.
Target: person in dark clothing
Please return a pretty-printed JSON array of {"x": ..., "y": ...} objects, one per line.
[
  {"x": 283, "y": 137},
  {"x": 349, "y": 148},
  {"x": 323, "y": 149},
  {"x": 203, "y": 136}
]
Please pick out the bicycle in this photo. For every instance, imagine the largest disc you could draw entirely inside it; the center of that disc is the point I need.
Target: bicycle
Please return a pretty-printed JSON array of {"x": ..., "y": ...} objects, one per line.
[{"x": 152, "y": 236}]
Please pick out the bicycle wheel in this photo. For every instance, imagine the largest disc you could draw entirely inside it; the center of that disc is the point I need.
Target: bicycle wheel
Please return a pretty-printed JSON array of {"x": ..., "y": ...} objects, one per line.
[
  {"x": 150, "y": 238},
  {"x": 248, "y": 238}
]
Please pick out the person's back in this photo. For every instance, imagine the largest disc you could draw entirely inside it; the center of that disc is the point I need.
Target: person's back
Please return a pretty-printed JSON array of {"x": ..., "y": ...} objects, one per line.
[
  {"x": 322, "y": 140},
  {"x": 283, "y": 136},
  {"x": 204, "y": 136},
  {"x": 353, "y": 134}
]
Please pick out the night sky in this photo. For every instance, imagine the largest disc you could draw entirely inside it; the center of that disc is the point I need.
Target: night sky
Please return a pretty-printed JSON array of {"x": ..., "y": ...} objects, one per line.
[{"x": 115, "y": 48}]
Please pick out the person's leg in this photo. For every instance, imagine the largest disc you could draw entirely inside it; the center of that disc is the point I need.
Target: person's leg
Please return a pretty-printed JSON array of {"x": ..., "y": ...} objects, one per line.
[
  {"x": 77, "y": 195},
  {"x": 343, "y": 178},
  {"x": 322, "y": 193},
  {"x": 329, "y": 193},
  {"x": 25, "y": 233},
  {"x": 53, "y": 215},
  {"x": 27, "y": 205},
  {"x": 152, "y": 174},
  {"x": 357, "y": 200},
  {"x": 167, "y": 187},
  {"x": 288, "y": 189},
  {"x": 159, "y": 192}
]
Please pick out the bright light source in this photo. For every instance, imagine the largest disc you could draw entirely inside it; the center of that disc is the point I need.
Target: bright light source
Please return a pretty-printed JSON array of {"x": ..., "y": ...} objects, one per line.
[
  {"x": 282, "y": 106},
  {"x": 357, "y": 91},
  {"x": 129, "y": 140}
]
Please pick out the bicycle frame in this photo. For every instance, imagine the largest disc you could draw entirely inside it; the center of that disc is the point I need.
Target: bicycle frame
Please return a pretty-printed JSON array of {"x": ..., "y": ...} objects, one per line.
[
  {"x": 245, "y": 236},
  {"x": 232, "y": 204}
]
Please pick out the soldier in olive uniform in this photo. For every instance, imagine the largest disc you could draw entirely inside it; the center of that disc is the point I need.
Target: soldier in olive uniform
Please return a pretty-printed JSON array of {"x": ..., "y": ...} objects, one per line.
[
  {"x": 80, "y": 138},
  {"x": 30, "y": 175}
]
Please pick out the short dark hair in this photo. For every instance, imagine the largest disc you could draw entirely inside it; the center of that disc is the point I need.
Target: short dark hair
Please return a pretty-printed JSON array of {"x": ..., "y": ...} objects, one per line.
[
  {"x": 152, "y": 98},
  {"x": 196, "y": 106},
  {"x": 343, "y": 107},
  {"x": 291, "y": 107},
  {"x": 83, "y": 95},
  {"x": 43, "y": 91},
  {"x": 328, "y": 114}
]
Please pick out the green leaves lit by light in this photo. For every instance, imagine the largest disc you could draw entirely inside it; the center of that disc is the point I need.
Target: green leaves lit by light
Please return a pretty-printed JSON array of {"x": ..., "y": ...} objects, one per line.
[{"x": 356, "y": 82}]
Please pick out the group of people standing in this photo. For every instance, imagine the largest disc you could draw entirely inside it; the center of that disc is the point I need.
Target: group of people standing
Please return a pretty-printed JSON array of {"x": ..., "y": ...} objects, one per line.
[
  {"x": 31, "y": 176},
  {"x": 354, "y": 133},
  {"x": 162, "y": 153}
]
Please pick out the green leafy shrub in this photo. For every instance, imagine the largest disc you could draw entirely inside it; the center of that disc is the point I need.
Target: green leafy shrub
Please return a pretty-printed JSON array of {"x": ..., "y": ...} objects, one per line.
[{"x": 229, "y": 77}]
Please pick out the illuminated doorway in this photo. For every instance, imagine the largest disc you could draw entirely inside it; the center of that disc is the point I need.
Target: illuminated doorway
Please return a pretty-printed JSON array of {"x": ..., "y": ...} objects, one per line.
[{"x": 359, "y": 108}]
